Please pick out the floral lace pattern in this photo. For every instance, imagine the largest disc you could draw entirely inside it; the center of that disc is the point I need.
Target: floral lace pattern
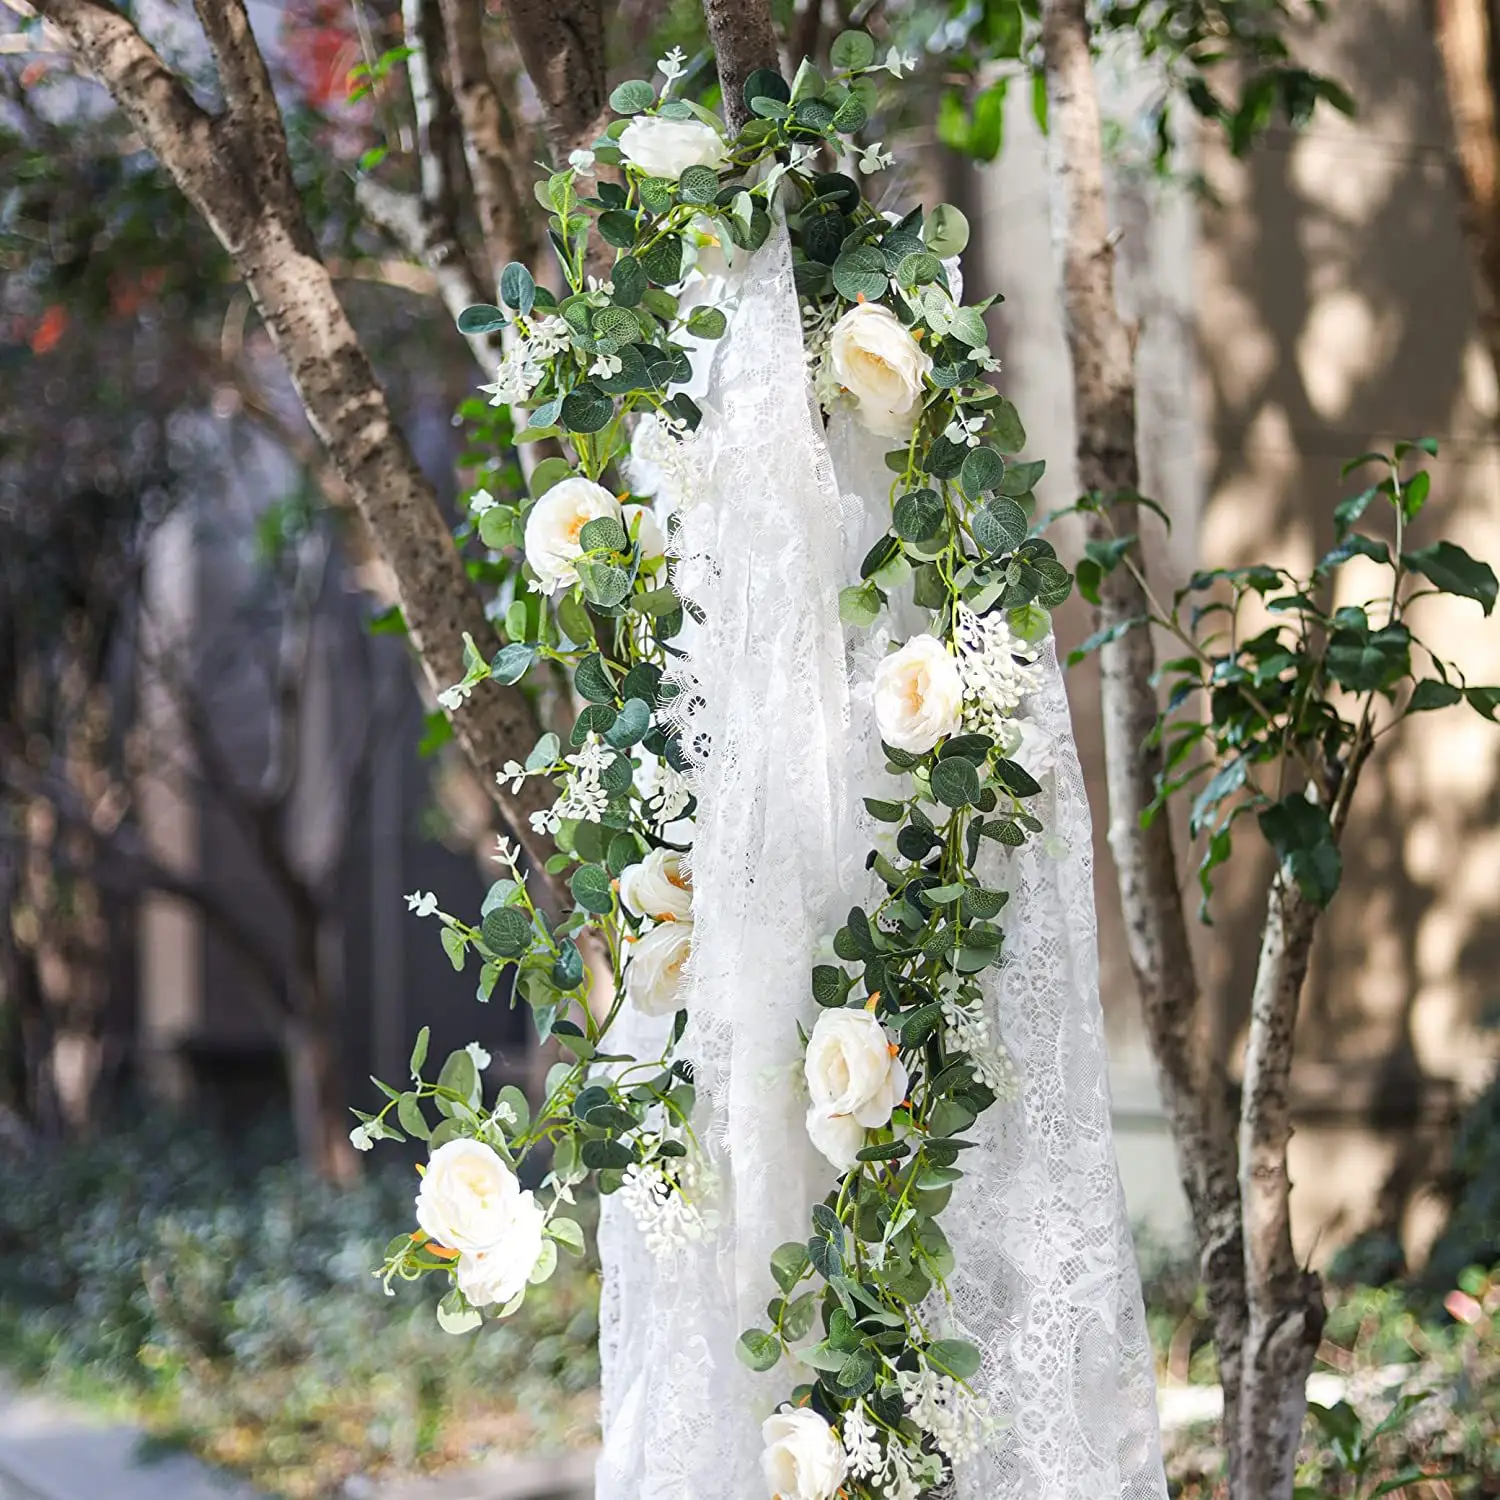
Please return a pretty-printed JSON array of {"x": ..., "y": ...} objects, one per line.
[{"x": 775, "y": 705}]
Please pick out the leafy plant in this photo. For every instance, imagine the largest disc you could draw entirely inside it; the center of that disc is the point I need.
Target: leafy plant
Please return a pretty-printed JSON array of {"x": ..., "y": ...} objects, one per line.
[{"x": 1282, "y": 692}]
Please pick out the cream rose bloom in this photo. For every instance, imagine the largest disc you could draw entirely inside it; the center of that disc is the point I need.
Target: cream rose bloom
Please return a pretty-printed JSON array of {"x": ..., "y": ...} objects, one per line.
[
  {"x": 855, "y": 1079},
  {"x": 658, "y": 887},
  {"x": 667, "y": 148},
  {"x": 653, "y": 976},
  {"x": 471, "y": 1201},
  {"x": 552, "y": 529},
  {"x": 882, "y": 366},
  {"x": 803, "y": 1458},
  {"x": 919, "y": 695},
  {"x": 650, "y": 536}
]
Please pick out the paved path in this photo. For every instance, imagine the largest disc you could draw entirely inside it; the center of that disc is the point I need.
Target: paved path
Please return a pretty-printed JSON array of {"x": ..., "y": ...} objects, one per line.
[{"x": 50, "y": 1450}]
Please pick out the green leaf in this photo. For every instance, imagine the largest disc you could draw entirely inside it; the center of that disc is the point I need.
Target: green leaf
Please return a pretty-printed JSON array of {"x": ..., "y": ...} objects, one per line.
[
  {"x": 507, "y": 932},
  {"x": 999, "y": 525},
  {"x": 918, "y": 515},
  {"x": 1414, "y": 493},
  {"x": 982, "y": 470},
  {"x": 413, "y": 1122},
  {"x": 455, "y": 1316},
  {"x": 955, "y": 1357},
  {"x": 544, "y": 753},
  {"x": 603, "y": 534},
  {"x": 1006, "y": 431},
  {"x": 860, "y": 271},
  {"x": 1300, "y": 833},
  {"x": 1432, "y": 692},
  {"x": 632, "y": 96},
  {"x": 613, "y": 328},
  {"x": 1104, "y": 637},
  {"x": 1485, "y": 701},
  {"x": 859, "y": 604},
  {"x": 511, "y": 663},
  {"x": 1367, "y": 661},
  {"x": 955, "y": 783},
  {"x": 830, "y": 986},
  {"x": 629, "y": 282},
  {"x": 698, "y": 184},
  {"x": 567, "y": 967},
  {"x": 481, "y": 318},
  {"x": 920, "y": 1024},
  {"x": 945, "y": 231},
  {"x": 885, "y": 812},
  {"x": 766, "y": 83},
  {"x": 586, "y": 408},
  {"x": 461, "y": 1077},
  {"x": 633, "y": 722},
  {"x": 419, "y": 1051},
  {"x": 759, "y": 1349},
  {"x": 591, "y": 889},
  {"x": 662, "y": 262},
  {"x": 604, "y": 584},
  {"x": 852, "y": 51},
  {"x": 517, "y": 289},
  {"x": 568, "y": 1233},
  {"x": 454, "y": 946},
  {"x": 1449, "y": 568},
  {"x": 707, "y": 323},
  {"x": 789, "y": 1263}
]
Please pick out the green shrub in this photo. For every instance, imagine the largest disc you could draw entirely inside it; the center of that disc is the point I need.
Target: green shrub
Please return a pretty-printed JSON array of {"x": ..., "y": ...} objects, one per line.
[{"x": 226, "y": 1300}]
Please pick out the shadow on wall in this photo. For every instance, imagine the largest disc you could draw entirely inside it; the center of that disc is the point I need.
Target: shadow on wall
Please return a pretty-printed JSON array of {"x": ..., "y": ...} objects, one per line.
[{"x": 1338, "y": 315}]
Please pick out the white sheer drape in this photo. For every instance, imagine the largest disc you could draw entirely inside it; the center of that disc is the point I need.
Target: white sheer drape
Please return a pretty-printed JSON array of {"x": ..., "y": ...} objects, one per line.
[{"x": 776, "y": 709}]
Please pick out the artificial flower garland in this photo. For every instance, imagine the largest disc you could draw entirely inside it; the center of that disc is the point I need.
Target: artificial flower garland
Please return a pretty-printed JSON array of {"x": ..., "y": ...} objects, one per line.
[{"x": 901, "y": 1059}]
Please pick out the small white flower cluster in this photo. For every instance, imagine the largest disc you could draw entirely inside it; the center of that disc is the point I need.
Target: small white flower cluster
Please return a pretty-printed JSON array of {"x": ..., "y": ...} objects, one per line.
[
  {"x": 998, "y": 669},
  {"x": 584, "y": 795},
  {"x": 520, "y": 371},
  {"x": 966, "y": 1029},
  {"x": 959, "y": 1422},
  {"x": 888, "y": 1464},
  {"x": 667, "y": 460},
  {"x": 424, "y": 903},
  {"x": 872, "y": 159},
  {"x": 666, "y": 790},
  {"x": 519, "y": 374},
  {"x": 966, "y": 430},
  {"x": 671, "y": 67},
  {"x": 667, "y": 1208}
]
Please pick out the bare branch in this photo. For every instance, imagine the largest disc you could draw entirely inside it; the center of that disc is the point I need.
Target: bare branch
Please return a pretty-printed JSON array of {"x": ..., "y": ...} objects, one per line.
[{"x": 743, "y": 39}]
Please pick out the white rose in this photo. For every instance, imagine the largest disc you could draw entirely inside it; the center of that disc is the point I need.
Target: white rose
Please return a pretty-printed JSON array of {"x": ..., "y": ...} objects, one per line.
[
  {"x": 667, "y": 148},
  {"x": 653, "y": 976},
  {"x": 919, "y": 695},
  {"x": 658, "y": 887},
  {"x": 802, "y": 1459},
  {"x": 652, "y": 539},
  {"x": 855, "y": 1079},
  {"x": 882, "y": 366},
  {"x": 470, "y": 1200},
  {"x": 500, "y": 1273},
  {"x": 553, "y": 526}
]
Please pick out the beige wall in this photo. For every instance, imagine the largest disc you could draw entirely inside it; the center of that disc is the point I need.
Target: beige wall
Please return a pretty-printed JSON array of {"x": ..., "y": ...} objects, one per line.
[{"x": 1320, "y": 306}]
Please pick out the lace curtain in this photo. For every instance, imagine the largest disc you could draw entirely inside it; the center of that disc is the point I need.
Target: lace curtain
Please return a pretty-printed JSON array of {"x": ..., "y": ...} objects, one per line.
[{"x": 774, "y": 517}]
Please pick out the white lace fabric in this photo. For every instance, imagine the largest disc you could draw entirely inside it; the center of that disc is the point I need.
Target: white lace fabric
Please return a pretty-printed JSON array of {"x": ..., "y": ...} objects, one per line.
[{"x": 776, "y": 715}]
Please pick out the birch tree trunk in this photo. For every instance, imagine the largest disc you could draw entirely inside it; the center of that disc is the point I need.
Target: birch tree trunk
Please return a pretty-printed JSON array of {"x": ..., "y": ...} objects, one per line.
[{"x": 1194, "y": 1089}]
